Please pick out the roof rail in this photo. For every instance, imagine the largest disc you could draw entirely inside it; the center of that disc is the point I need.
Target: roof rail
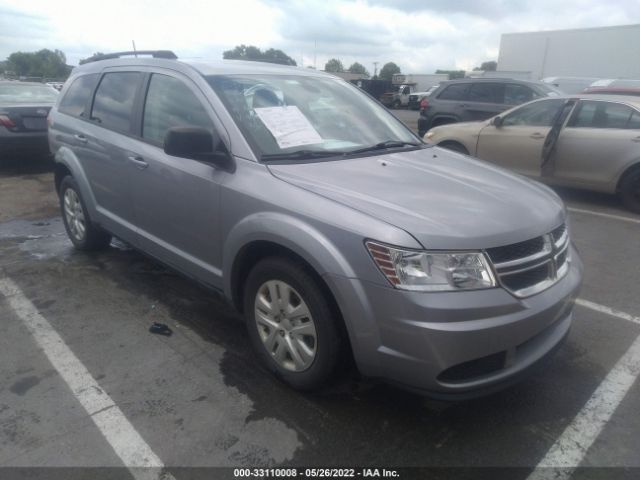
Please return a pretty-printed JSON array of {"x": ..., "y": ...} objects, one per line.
[{"x": 168, "y": 54}]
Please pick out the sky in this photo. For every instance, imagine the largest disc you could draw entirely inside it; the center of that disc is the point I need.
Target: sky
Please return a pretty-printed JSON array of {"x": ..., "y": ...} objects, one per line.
[{"x": 418, "y": 35}]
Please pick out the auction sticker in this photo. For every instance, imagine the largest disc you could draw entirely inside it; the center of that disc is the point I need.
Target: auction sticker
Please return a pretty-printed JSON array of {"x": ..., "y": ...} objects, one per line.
[{"x": 289, "y": 126}]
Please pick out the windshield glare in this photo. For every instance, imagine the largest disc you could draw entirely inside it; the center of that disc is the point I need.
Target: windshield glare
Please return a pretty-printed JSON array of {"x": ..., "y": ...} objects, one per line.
[
  {"x": 283, "y": 114},
  {"x": 27, "y": 94}
]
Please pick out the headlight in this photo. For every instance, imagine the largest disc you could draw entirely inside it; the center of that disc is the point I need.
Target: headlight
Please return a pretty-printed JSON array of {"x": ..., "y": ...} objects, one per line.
[{"x": 432, "y": 271}]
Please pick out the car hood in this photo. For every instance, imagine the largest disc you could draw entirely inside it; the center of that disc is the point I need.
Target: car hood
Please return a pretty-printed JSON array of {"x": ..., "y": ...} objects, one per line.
[{"x": 444, "y": 199}]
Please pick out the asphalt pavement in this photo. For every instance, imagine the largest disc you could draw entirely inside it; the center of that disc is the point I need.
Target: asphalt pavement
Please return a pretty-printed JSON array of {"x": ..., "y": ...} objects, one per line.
[{"x": 84, "y": 384}]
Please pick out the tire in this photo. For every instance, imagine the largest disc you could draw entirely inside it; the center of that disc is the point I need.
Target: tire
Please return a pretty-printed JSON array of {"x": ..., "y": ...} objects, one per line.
[
  {"x": 455, "y": 147},
  {"x": 301, "y": 351},
  {"x": 630, "y": 190},
  {"x": 82, "y": 232}
]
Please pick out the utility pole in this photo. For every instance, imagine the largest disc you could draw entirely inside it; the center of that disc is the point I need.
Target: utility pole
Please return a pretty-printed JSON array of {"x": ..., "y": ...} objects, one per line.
[{"x": 375, "y": 69}]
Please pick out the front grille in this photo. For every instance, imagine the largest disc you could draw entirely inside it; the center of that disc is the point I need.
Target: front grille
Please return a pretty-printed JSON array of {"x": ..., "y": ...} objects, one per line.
[
  {"x": 516, "y": 251},
  {"x": 525, "y": 279},
  {"x": 526, "y": 268},
  {"x": 559, "y": 232}
]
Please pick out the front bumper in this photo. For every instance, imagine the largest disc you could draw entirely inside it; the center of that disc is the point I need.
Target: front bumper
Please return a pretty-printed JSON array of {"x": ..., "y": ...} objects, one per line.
[{"x": 454, "y": 344}]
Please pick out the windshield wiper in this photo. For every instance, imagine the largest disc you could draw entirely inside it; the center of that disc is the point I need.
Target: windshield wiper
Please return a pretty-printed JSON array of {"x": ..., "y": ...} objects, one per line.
[
  {"x": 301, "y": 155},
  {"x": 385, "y": 145}
]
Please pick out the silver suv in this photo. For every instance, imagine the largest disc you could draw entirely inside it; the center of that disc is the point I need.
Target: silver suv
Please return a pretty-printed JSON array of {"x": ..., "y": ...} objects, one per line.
[{"x": 321, "y": 217}]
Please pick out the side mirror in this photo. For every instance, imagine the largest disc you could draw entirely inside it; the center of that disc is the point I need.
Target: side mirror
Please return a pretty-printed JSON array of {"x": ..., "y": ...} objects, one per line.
[
  {"x": 196, "y": 143},
  {"x": 497, "y": 121}
]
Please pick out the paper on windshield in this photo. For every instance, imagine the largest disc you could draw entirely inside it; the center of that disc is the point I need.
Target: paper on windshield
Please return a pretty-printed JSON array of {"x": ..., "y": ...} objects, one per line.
[{"x": 289, "y": 126}]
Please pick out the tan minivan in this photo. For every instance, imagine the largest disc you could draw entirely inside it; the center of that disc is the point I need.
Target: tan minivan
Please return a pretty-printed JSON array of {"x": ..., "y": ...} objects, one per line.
[{"x": 585, "y": 141}]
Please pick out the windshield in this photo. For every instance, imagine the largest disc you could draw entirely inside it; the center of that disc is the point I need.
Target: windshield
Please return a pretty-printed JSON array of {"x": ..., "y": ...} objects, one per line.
[
  {"x": 20, "y": 93},
  {"x": 291, "y": 116}
]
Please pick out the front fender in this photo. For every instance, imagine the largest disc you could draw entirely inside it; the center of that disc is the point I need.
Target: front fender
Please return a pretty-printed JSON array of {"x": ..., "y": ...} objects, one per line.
[
  {"x": 65, "y": 157},
  {"x": 289, "y": 232}
]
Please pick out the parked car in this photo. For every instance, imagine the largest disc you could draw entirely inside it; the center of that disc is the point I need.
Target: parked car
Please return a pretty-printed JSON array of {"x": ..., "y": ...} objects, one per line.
[
  {"x": 588, "y": 141},
  {"x": 476, "y": 99},
  {"x": 24, "y": 108},
  {"x": 321, "y": 217},
  {"x": 628, "y": 91},
  {"x": 415, "y": 99},
  {"x": 57, "y": 85}
]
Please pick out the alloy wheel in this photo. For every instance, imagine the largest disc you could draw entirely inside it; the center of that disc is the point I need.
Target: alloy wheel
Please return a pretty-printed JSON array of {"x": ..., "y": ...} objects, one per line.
[{"x": 74, "y": 214}]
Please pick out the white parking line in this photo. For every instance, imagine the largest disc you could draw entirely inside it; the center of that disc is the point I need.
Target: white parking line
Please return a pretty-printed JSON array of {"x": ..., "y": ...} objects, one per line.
[
  {"x": 606, "y": 215},
  {"x": 117, "y": 430},
  {"x": 607, "y": 310},
  {"x": 569, "y": 450}
]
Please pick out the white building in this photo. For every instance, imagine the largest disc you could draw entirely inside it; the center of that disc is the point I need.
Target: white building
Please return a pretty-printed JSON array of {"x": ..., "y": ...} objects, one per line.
[{"x": 603, "y": 52}]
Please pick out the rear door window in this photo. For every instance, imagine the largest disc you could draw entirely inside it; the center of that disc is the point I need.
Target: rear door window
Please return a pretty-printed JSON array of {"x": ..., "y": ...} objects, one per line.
[
  {"x": 76, "y": 97},
  {"x": 455, "y": 92},
  {"x": 170, "y": 103},
  {"x": 603, "y": 115},
  {"x": 114, "y": 100},
  {"x": 486, "y": 93}
]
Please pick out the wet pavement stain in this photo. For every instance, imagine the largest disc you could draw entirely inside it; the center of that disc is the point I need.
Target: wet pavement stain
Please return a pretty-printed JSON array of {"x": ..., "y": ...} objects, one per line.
[
  {"x": 170, "y": 296},
  {"x": 25, "y": 384}
]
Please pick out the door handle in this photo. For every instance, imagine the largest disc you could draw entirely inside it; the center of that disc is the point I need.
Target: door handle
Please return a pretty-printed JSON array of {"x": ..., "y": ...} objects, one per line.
[
  {"x": 537, "y": 136},
  {"x": 138, "y": 161},
  {"x": 80, "y": 138}
]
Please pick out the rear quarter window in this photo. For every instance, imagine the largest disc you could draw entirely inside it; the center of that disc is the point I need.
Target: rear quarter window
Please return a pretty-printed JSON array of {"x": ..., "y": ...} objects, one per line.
[
  {"x": 75, "y": 99},
  {"x": 599, "y": 114}
]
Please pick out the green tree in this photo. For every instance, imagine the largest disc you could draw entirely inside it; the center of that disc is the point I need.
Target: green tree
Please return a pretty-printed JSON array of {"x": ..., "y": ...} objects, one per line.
[
  {"x": 358, "y": 68},
  {"x": 43, "y": 63},
  {"x": 278, "y": 56},
  {"x": 453, "y": 74},
  {"x": 388, "y": 70},
  {"x": 88, "y": 59},
  {"x": 334, "y": 65},
  {"x": 252, "y": 53},
  {"x": 490, "y": 66}
]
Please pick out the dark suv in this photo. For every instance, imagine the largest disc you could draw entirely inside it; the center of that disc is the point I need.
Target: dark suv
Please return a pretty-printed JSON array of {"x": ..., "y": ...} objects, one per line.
[{"x": 476, "y": 99}]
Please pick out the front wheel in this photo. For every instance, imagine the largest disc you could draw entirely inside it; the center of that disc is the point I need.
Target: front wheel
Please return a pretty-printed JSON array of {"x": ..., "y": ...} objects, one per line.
[
  {"x": 291, "y": 323},
  {"x": 630, "y": 190},
  {"x": 81, "y": 231}
]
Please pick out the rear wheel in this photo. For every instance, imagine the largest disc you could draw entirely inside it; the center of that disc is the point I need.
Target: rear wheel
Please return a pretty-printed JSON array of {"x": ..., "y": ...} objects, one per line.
[
  {"x": 455, "y": 146},
  {"x": 291, "y": 324},
  {"x": 630, "y": 190},
  {"x": 81, "y": 231}
]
